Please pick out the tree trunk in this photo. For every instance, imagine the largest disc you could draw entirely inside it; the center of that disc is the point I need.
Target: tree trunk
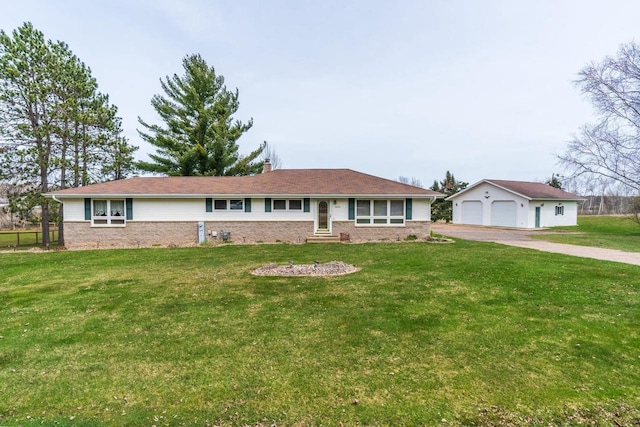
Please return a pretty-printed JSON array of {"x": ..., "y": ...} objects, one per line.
[{"x": 61, "y": 226}]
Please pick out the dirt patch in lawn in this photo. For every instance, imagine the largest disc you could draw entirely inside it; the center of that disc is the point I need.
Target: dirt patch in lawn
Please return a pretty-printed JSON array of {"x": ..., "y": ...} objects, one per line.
[{"x": 333, "y": 268}]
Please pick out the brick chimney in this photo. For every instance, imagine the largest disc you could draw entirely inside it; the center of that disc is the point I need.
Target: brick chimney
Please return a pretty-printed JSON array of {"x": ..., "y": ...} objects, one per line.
[{"x": 267, "y": 166}]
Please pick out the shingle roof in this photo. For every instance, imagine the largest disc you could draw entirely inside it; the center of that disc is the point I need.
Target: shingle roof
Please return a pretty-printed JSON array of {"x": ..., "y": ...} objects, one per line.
[
  {"x": 529, "y": 190},
  {"x": 534, "y": 190},
  {"x": 277, "y": 182}
]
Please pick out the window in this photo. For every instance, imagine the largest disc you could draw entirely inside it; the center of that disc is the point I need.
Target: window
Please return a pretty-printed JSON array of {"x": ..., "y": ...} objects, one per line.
[
  {"x": 108, "y": 212},
  {"x": 295, "y": 205},
  {"x": 224, "y": 205},
  {"x": 380, "y": 212},
  {"x": 396, "y": 212},
  {"x": 363, "y": 212},
  {"x": 284, "y": 205},
  {"x": 559, "y": 210}
]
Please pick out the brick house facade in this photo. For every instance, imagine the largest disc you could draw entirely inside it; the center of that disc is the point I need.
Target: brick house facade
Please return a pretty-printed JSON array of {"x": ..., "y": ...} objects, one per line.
[{"x": 285, "y": 205}]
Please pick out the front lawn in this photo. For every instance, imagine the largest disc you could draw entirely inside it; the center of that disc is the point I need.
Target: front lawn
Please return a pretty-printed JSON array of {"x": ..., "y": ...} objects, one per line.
[
  {"x": 461, "y": 334},
  {"x": 613, "y": 232}
]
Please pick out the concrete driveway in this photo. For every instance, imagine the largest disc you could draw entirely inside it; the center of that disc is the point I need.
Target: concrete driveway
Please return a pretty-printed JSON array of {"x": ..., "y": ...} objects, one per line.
[{"x": 522, "y": 239}]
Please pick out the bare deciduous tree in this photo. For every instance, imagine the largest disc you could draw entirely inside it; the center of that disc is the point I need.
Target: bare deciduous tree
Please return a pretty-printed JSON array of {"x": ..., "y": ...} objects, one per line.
[
  {"x": 269, "y": 153},
  {"x": 411, "y": 181},
  {"x": 611, "y": 147}
]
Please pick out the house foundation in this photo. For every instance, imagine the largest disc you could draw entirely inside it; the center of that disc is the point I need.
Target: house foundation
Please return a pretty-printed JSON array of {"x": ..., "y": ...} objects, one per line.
[{"x": 81, "y": 235}]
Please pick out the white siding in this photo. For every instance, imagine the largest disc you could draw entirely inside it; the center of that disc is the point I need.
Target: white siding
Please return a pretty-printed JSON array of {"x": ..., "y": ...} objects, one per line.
[
  {"x": 73, "y": 209},
  {"x": 174, "y": 210},
  {"x": 339, "y": 211},
  {"x": 160, "y": 210},
  {"x": 486, "y": 194},
  {"x": 548, "y": 217},
  {"x": 421, "y": 210}
]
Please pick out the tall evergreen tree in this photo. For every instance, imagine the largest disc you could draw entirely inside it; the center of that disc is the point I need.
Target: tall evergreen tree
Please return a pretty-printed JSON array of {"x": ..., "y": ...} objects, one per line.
[
  {"x": 199, "y": 136},
  {"x": 27, "y": 80},
  {"x": 55, "y": 127}
]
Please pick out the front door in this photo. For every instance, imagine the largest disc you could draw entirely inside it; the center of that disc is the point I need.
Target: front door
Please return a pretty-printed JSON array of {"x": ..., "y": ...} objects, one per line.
[
  {"x": 323, "y": 217},
  {"x": 537, "y": 217}
]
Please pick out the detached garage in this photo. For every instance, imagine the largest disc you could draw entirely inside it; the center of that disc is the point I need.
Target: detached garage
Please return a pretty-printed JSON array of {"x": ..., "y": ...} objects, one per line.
[{"x": 517, "y": 204}]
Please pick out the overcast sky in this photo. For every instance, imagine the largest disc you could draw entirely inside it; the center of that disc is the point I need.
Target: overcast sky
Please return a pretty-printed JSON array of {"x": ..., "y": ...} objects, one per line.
[{"x": 413, "y": 88}]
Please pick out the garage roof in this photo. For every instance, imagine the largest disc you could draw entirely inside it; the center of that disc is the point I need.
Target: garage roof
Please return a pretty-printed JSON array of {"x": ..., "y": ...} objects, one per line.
[{"x": 528, "y": 190}]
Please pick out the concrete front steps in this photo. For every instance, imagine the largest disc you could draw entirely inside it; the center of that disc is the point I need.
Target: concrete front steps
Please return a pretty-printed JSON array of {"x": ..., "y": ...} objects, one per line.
[{"x": 323, "y": 239}]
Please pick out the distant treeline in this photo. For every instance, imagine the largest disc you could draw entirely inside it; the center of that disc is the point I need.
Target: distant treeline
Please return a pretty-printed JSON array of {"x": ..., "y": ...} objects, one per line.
[{"x": 605, "y": 205}]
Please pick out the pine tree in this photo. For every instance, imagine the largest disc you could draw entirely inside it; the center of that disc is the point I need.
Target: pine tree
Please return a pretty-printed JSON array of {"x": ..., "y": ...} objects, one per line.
[
  {"x": 56, "y": 127},
  {"x": 440, "y": 208},
  {"x": 199, "y": 136},
  {"x": 554, "y": 181}
]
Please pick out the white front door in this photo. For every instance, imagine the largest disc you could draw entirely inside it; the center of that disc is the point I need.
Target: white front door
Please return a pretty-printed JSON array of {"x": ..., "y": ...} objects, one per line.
[{"x": 323, "y": 217}]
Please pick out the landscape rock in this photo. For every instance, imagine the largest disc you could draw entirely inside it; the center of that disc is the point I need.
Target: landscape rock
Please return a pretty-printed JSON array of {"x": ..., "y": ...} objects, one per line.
[{"x": 333, "y": 268}]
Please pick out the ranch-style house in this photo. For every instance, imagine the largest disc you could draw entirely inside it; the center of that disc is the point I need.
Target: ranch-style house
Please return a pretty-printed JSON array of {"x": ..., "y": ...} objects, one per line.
[{"x": 284, "y": 205}]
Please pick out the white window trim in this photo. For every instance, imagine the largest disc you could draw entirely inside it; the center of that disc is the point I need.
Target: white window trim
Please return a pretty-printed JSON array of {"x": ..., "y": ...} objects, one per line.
[
  {"x": 287, "y": 205},
  {"x": 388, "y": 217},
  {"x": 107, "y": 215}
]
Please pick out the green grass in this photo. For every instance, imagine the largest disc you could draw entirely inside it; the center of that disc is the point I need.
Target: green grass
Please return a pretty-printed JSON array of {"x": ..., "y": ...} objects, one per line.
[
  {"x": 613, "y": 232},
  {"x": 471, "y": 333}
]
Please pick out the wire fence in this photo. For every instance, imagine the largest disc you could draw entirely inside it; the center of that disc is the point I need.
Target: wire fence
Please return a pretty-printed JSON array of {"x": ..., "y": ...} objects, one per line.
[{"x": 12, "y": 239}]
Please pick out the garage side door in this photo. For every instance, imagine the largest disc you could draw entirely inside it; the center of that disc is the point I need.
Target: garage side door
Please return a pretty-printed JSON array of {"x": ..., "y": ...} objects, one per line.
[
  {"x": 472, "y": 212},
  {"x": 503, "y": 214}
]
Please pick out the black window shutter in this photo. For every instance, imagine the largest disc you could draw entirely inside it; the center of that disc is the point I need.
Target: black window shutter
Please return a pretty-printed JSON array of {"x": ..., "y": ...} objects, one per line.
[
  {"x": 87, "y": 209},
  {"x": 208, "y": 204},
  {"x": 352, "y": 208},
  {"x": 307, "y": 204},
  {"x": 267, "y": 204},
  {"x": 409, "y": 208},
  {"x": 129, "y": 208},
  {"x": 247, "y": 204}
]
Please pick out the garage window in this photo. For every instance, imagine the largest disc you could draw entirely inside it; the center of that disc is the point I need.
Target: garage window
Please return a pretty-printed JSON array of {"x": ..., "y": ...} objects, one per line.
[{"x": 559, "y": 210}]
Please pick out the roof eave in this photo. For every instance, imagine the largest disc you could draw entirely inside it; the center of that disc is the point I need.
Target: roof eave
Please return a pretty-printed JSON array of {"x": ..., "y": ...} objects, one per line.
[
  {"x": 561, "y": 199},
  {"x": 240, "y": 195}
]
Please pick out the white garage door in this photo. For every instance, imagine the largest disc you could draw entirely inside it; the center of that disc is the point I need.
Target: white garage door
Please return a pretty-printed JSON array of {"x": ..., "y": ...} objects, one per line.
[
  {"x": 472, "y": 212},
  {"x": 503, "y": 214}
]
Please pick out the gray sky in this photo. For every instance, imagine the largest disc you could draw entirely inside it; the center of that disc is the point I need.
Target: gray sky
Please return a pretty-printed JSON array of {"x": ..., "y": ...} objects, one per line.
[{"x": 413, "y": 88}]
